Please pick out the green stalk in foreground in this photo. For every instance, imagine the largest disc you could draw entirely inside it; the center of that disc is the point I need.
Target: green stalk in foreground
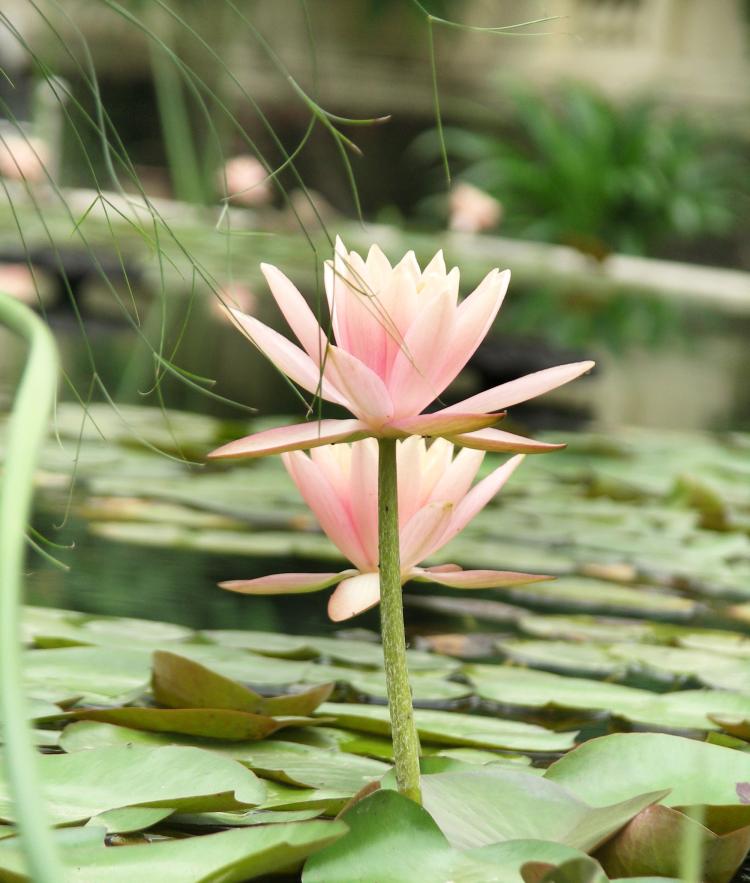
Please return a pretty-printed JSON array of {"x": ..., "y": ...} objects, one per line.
[
  {"x": 25, "y": 433},
  {"x": 403, "y": 728}
]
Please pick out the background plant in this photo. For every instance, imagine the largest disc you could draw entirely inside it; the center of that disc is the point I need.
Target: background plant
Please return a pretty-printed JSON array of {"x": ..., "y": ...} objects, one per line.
[{"x": 603, "y": 177}]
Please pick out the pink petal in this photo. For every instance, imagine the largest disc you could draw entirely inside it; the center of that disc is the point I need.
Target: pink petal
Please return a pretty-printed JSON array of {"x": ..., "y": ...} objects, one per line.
[
  {"x": 353, "y": 596},
  {"x": 290, "y": 438},
  {"x": 436, "y": 265},
  {"x": 454, "y": 483},
  {"x": 498, "y": 441},
  {"x": 401, "y": 303},
  {"x": 477, "y": 499},
  {"x": 440, "y": 568},
  {"x": 411, "y": 460},
  {"x": 437, "y": 462},
  {"x": 361, "y": 320},
  {"x": 439, "y": 423},
  {"x": 423, "y": 532},
  {"x": 473, "y": 319},
  {"x": 411, "y": 381},
  {"x": 528, "y": 387},
  {"x": 297, "y": 313},
  {"x": 285, "y": 583},
  {"x": 365, "y": 392},
  {"x": 378, "y": 266},
  {"x": 475, "y": 579},
  {"x": 332, "y": 515},
  {"x": 362, "y": 493},
  {"x": 288, "y": 358}
]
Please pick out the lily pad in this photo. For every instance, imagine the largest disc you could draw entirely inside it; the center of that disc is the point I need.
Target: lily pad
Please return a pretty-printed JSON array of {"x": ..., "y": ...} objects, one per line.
[
  {"x": 450, "y": 728},
  {"x": 89, "y": 783},
  {"x": 289, "y": 762},
  {"x": 622, "y": 765},
  {"x": 480, "y": 807},
  {"x": 206, "y": 723},
  {"x": 230, "y": 856},
  {"x": 183, "y": 683}
]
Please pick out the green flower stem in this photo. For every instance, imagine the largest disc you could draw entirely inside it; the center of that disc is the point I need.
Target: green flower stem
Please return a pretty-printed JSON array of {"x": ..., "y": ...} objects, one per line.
[
  {"x": 403, "y": 728},
  {"x": 26, "y": 431}
]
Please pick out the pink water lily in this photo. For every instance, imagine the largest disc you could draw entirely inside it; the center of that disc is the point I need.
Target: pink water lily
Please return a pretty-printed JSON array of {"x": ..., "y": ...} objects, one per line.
[
  {"x": 436, "y": 501},
  {"x": 401, "y": 337}
]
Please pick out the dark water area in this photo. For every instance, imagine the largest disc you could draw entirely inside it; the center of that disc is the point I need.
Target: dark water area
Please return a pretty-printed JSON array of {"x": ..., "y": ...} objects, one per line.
[{"x": 175, "y": 585}]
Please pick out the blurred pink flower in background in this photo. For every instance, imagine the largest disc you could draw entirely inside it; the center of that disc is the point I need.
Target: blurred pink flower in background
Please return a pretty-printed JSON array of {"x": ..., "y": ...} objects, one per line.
[
  {"x": 435, "y": 502},
  {"x": 246, "y": 181},
  {"x": 23, "y": 157},
  {"x": 17, "y": 281},
  {"x": 232, "y": 296},
  {"x": 401, "y": 337},
  {"x": 471, "y": 210}
]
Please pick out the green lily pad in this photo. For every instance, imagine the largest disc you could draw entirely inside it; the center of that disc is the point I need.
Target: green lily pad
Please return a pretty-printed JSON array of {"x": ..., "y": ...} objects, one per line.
[
  {"x": 590, "y": 659},
  {"x": 178, "y": 682},
  {"x": 289, "y": 762},
  {"x": 264, "y": 643},
  {"x": 230, "y": 856},
  {"x": 391, "y": 838},
  {"x": 598, "y": 596},
  {"x": 205, "y": 723},
  {"x": 619, "y": 766},
  {"x": 130, "y": 818},
  {"x": 480, "y": 807},
  {"x": 94, "y": 674},
  {"x": 88, "y": 783},
  {"x": 450, "y": 728}
]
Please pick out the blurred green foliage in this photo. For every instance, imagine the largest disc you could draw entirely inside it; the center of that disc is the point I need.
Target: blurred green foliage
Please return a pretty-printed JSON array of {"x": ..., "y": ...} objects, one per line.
[{"x": 602, "y": 177}]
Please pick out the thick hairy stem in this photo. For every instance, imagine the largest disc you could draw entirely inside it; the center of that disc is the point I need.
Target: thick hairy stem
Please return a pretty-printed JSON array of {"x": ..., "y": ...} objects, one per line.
[
  {"x": 25, "y": 433},
  {"x": 404, "y": 731}
]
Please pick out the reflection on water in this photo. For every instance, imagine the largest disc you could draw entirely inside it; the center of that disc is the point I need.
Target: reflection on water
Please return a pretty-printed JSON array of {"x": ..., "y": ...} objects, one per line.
[{"x": 175, "y": 585}]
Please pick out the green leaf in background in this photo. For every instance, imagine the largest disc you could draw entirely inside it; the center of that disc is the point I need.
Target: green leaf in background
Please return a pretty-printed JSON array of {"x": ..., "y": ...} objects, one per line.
[
  {"x": 205, "y": 723},
  {"x": 93, "y": 674},
  {"x": 230, "y": 856},
  {"x": 183, "y": 683},
  {"x": 289, "y": 762},
  {"x": 480, "y": 807},
  {"x": 88, "y": 783},
  {"x": 619, "y": 766},
  {"x": 451, "y": 728}
]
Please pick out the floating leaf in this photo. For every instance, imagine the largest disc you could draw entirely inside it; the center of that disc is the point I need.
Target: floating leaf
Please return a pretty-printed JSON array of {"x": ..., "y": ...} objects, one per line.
[
  {"x": 88, "y": 783},
  {"x": 449, "y": 728},
  {"x": 230, "y": 856},
  {"x": 205, "y": 723},
  {"x": 183, "y": 683},
  {"x": 290, "y": 762},
  {"x": 95, "y": 674},
  {"x": 480, "y": 807},
  {"x": 622, "y": 765},
  {"x": 391, "y": 838}
]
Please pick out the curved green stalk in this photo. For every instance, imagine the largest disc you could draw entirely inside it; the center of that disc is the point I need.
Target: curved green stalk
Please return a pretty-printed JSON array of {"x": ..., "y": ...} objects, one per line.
[
  {"x": 403, "y": 728},
  {"x": 26, "y": 430}
]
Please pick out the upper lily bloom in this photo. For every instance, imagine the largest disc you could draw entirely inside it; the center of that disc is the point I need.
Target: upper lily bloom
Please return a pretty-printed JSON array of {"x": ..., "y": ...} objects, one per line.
[
  {"x": 435, "y": 502},
  {"x": 401, "y": 337}
]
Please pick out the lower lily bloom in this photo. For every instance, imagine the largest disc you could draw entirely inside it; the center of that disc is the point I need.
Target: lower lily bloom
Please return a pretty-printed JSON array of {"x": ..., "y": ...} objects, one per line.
[
  {"x": 401, "y": 337},
  {"x": 436, "y": 501}
]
